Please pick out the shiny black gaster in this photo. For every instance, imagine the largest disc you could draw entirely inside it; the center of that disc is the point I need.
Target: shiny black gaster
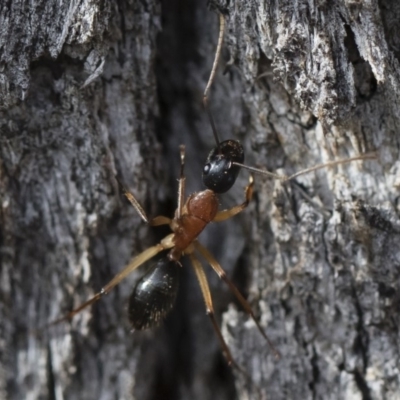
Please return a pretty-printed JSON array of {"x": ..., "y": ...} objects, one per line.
[
  {"x": 219, "y": 173},
  {"x": 154, "y": 295}
]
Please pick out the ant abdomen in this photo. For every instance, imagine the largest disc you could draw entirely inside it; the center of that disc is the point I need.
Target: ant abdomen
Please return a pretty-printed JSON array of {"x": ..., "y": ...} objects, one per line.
[
  {"x": 154, "y": 295},
  {"x": 220, "y": 172}
]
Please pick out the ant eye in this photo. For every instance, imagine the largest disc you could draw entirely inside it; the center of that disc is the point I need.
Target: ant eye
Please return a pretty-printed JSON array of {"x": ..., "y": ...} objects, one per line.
[
  {"x": 206, "y": 169},
  {"x": 219, "y": 173}
]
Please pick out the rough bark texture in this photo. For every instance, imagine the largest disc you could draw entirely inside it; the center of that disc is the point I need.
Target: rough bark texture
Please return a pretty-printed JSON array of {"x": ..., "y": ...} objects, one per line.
[{"x": 94, "y": 89}]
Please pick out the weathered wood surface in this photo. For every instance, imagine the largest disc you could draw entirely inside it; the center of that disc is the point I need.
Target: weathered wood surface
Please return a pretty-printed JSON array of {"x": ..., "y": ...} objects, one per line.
[{"x": 93, "y": 89}]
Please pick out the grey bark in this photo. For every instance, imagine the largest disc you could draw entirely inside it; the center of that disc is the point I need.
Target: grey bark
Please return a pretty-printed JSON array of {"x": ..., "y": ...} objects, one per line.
[{"x": 92, "y": 90}]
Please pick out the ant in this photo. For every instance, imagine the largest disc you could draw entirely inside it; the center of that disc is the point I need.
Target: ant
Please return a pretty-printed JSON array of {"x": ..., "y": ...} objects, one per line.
[{"x": 154, "y": 295}]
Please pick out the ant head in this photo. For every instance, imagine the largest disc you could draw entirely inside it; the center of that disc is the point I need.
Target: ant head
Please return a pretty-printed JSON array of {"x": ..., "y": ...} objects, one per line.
[{"x": 220, "y": 172}]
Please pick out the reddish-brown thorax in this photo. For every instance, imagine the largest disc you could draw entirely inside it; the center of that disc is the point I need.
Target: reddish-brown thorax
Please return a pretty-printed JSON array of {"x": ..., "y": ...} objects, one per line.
[{"x": 199, "y": 210}]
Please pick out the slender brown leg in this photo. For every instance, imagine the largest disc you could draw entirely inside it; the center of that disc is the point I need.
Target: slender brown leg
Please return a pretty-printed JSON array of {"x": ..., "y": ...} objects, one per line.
[
  {"x": 160, "y": 220},
  {"x": 136, "y": 262},
  {"x": 226, "y": 214},
  {"x": 246, "y": 306},
  {"x": 182, "y": 182},
  {"x": 134, "y": 202},
  {"x": 205, "y": 290}
]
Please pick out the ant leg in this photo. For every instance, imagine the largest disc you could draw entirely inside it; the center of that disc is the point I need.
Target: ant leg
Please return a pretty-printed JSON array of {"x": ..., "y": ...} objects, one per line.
[
  {"x": 226, "y": 214},
  {"x": 205, "y": 290},
  {"x": 160, "y": 220},
  {"x": 212, "y": 76},
  {"x": 182, "y": 182},
  {"x": 134, "y": 202},
  {"x": 136, "y": 262},
  {"x": 246, "y": 306},
  {"x": 157, "y": 221}
]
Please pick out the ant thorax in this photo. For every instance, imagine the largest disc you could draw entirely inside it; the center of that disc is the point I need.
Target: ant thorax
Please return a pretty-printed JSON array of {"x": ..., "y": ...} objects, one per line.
[{"x": 199, "y": 210}]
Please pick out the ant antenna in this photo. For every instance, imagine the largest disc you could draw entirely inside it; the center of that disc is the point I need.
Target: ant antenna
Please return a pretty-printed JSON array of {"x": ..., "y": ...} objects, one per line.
[
  {"x": 285, "y": 178},
  {"x": 212, "y": 76}
]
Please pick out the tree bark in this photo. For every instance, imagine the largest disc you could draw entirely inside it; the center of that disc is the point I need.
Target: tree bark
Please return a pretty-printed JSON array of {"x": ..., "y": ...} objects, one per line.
[{"x": 94, "y": 90}]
